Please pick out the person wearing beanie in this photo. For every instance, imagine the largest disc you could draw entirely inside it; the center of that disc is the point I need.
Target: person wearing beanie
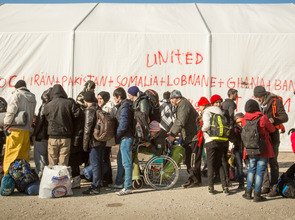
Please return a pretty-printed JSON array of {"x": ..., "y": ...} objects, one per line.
[
  {"x": 216, "y": 100},
  {"x": 88, "y": 86},
  {"x": 184, "y": 123},
  {"x": 140, "y": 100},
  {"x": 91, "y": 145},
  {"x": 103, "y": 99},
  {"x": 257, "y": 163},
  {"x": 18, "y": 142},
  {"x": 272, "y": 105},
  {"x": 214, "y": 149}
]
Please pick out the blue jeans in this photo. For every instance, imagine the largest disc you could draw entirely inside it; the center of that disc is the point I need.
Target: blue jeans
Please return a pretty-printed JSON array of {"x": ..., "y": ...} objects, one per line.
[
  {"x": 96, "y": 158},
  {"x": 126, "y": 153},
  {"x": 257, "y": 165},
  {"x": 120, "y": 169},
  {"x": 239, "y": 165}
]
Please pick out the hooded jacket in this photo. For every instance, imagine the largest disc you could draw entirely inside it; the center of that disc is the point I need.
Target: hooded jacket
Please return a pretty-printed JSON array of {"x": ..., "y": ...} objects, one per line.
[
  {"x": 60, "y": 113},
  {"x": 185, "y": 121},
  {"x": 207, "y": 115},
  {"x": 230, "y": 106},
  {"x": 125, "y": 117},
  {"x": 281, "y": 115},
  {"x": 80, "y": 98},
  {"x": 21, "y": 100},
  {"x": 265, "y": 127}
]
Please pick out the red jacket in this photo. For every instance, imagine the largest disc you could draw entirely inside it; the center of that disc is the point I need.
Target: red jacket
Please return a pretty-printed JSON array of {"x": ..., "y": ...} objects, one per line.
[{"x": 265, "y": 127}]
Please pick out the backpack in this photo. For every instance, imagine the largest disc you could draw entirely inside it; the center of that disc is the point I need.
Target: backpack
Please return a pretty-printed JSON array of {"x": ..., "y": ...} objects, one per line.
[
  {"x": 105, "y": 127},
  {"x": 153, "y": 97},
  {"x": 141, "y": 126},
  {"x": 7, "y": 186},
  {"x": 251, "y": 138},
  {"x": 286, "y": 186},
  {"x": 22, "y": 174},
  {"x": 219, "y": 128}
]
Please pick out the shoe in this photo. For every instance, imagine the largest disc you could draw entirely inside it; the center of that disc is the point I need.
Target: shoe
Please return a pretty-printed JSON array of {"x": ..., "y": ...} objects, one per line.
[
  {"x": 76, "y": 182},
  {"x": 211, "y": 190},
  {"x": 124, "y": 192},
  {"x": 186, "y": 184},
  {"x": 258, "y": 197},
  {"x": 272, "y": 193},
  {"x": 265, "y": 190},
  {"x": 92, "y": 191},
  {"x": 248, "y": 194},
  {"x": 241, "y": 186},
  {"x": 192, "y": 185},
  {"x": 226, "y": 190},
  {"x": 115, "y": 186}
]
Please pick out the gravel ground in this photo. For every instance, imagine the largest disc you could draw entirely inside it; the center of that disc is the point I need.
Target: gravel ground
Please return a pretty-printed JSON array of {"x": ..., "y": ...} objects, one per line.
[{"x": 146, "y": 203}]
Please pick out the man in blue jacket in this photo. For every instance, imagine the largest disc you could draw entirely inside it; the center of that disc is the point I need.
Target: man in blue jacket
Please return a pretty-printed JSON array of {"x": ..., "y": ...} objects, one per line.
[{"x": 124, "y": 136}]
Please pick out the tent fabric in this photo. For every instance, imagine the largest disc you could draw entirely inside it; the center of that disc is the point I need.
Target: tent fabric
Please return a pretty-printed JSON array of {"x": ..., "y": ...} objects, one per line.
[{"x": 200, "y": 49}]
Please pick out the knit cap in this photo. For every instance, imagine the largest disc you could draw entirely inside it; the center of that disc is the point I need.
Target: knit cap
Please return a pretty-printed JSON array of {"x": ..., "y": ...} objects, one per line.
[
  {"x": 20, "y": 84},
  {"x": 89, "y": 96},
  {"x": 203, "y": 101},
  {"x": 175, "y": 94},
  {"x": 214, "y": 98},
  {"x": 133, "y": 90},
  {"x": 252, "y": 106},
  {"x": 259, "y": 91},
  {"x": 154, "y": 126}
]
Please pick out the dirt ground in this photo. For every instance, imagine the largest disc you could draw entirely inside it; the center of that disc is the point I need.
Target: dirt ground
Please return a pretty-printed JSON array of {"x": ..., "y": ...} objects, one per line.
[{"x": 147, "y": 203}]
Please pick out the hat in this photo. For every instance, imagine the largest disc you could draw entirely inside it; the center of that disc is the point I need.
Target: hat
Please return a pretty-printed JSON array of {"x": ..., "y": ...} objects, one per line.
[
  {"x": 214, "y": 98},
  {"x": 133, "y": 90},
  {"x": 105, "y": 96},
  {"x": 259, "y": 91},
  {"x": 175, "y": 94},
  {"x": 20, "y": 84},
  {"x": 252, "y": 106},
  {"x": 154, "y": 126},
  {"x": 89, "y": 96},
  {"x": 203, "y": 101}
]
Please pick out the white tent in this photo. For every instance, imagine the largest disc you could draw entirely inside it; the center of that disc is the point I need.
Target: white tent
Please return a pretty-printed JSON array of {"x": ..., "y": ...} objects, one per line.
[{"x": 200, "y": 49}]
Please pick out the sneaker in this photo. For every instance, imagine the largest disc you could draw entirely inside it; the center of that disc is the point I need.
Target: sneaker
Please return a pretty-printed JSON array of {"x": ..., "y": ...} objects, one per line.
[
  {"x": 115, "y": 186},
  {"x": 92, "y": 191},
  {"x": 124, "y": 192},
  {"x": 272, "y": 193},
  {"x": 76, "y": 181},
  {"x": 226, "y": 190}
]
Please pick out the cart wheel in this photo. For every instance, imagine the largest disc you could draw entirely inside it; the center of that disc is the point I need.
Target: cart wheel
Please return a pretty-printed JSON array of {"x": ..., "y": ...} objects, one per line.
[{"x": 137, "y": 184}]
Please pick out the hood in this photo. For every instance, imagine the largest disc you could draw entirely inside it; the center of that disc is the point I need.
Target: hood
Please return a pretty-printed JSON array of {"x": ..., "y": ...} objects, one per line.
[
  {"x": 89, "y": 85},
  {"x": 29, "y": 96},
  {"x": 252, "y": 116},
  {"x": 165, "y": 101},
  {"x": 58, "y": 92},
  {"x": 214, "y": 110},
  {"x": 46, "y": 95},
  {"x": 108, "y": 106},
  {"x": 268, "y": 97},
  {"x": 127, "y": 102}
]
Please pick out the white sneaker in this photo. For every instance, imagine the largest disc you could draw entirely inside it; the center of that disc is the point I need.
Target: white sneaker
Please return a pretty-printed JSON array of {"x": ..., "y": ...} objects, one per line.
[
  {"x": 115, "y": 186},
  {"x": 124, "y": 192},
  {"x": 76, "y": 182}
]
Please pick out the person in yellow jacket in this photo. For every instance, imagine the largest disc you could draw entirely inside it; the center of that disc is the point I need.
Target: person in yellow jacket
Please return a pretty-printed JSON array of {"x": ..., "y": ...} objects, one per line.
[{"x": 18, "y": 142}]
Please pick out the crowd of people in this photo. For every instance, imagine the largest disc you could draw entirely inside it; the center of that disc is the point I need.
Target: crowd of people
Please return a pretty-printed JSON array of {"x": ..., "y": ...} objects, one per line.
[{"x": 63, "y": 133}]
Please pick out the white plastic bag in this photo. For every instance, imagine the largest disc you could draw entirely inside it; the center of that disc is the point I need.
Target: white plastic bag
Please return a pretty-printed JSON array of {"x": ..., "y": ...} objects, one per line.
[{"x": 56, "y": 182}]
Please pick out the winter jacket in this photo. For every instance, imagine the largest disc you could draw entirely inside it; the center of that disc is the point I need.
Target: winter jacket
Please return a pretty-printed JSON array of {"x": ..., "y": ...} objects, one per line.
[
  {"x": 110, "y": 108},
  {"x": 80, "y": 98},
  {"x": 238, "y": 144},
  {"x": 125, "y": 119},
  {"x": 60, "y": 113},
  {"x": 90, "y": 121},
  {"x": 207, "y": 114},
  {"x": 167, "y": 110},
  {"x": 265, "y": 127},
  {"x": 40, "y": 131},
  {"x": 142, "y": 104},
  {"x": 3, "y": 105},
  {"x": 230, "y": 106},
  {"x": 185, "y": 121},
  {"x": 281, "y": 115},
  {"x": 21, "y": 100}
]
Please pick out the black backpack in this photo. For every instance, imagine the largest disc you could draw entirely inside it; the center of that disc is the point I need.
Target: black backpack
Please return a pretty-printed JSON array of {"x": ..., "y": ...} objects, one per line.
[
  {"x": 141, "y": 126},
  {"x": 251, "y": 138},
  {"x": 286, "y": 186},
  {"x": 153, "y": 97},
  {"x": 219, "y": 128}
]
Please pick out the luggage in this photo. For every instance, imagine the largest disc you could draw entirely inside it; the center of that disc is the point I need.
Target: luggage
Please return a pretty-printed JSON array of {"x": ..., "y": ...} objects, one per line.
[
  {"x": 7, "y": 186},
  {"x": 55, "y": 182},
  {"x": 177, "y": 154},
  {"x": 105, "y": 127},
  {"x": 33, "y": 188}
]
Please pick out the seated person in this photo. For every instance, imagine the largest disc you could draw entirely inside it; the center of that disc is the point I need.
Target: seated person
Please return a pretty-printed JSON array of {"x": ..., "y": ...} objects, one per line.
[{"x": 157, "y": 142}]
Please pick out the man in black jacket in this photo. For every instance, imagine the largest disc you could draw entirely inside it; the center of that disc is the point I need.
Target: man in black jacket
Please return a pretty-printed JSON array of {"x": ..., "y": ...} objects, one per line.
[
  {"x": 230, "y": 105},
  {"x": 90, "y": 144},
  {"x": 60, "y": 113}
]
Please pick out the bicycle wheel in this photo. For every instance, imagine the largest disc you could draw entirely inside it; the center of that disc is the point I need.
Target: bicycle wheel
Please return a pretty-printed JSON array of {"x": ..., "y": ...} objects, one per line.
[{"x": 161, "y": 172}]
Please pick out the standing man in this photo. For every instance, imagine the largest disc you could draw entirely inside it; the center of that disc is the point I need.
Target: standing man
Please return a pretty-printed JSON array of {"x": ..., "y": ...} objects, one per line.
[
  {"x": 185, "y": 123},
  {"x": 18, "y": 142},
  {"x": 124, "y": 136},
  {"x": 60, "y": 113},
  {"x": 95, "y": 147},
  {"x": 230, "y": 105},
  {"x": 273, "y": 107}
]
